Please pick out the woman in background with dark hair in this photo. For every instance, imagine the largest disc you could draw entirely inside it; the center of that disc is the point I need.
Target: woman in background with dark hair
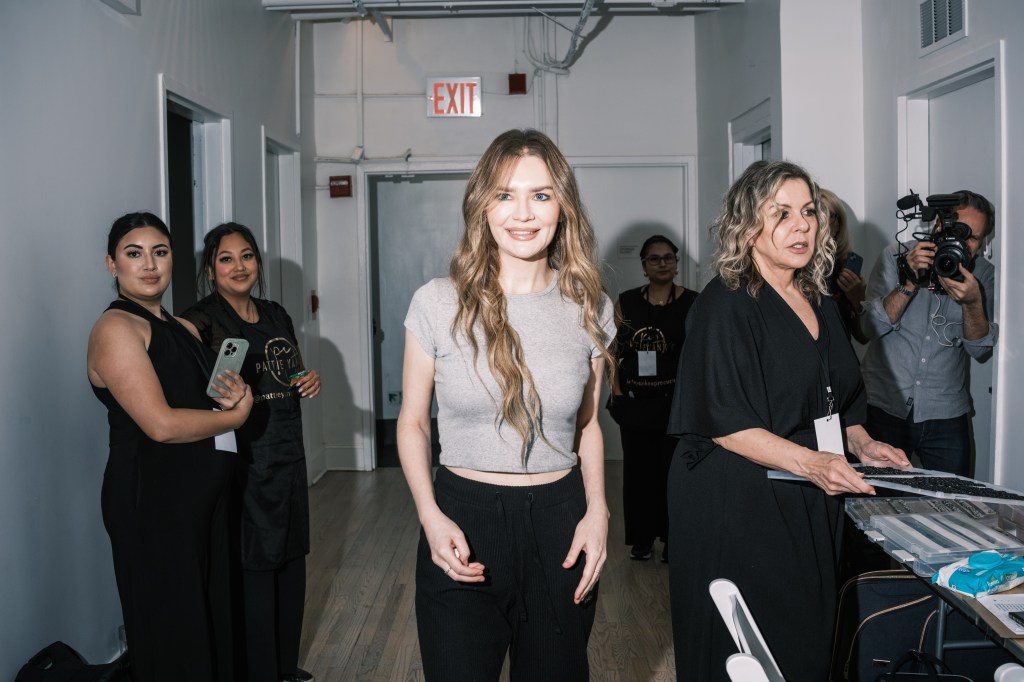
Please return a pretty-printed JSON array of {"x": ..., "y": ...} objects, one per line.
[
  {"x": 165, "y": 481},
  {"x": 274, "y": 522},
  {"x": 652, "y": 326}
]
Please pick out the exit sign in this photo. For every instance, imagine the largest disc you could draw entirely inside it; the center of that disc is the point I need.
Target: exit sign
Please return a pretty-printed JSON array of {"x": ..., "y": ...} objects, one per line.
[{"x": 450, "y": 97}]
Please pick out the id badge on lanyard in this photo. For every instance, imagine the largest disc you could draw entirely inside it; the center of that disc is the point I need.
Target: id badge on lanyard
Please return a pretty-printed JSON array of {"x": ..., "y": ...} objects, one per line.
[
  {"x": 828, "y": 431},
  {"x": 647, "y": 361},
  {"x": 225, "y": 441}
]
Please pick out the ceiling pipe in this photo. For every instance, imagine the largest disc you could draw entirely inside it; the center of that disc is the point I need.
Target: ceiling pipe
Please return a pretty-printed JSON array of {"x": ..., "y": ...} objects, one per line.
[{"x": 353, "y": 8}]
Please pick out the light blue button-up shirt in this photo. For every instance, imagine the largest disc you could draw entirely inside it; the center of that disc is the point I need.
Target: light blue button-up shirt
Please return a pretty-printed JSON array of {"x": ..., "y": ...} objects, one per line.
[{"x": 921, "y": 361}]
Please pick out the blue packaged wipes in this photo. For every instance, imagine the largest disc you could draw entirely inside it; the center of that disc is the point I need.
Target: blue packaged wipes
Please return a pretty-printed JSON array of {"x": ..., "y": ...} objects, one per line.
[{"x": 982, "y": 573}]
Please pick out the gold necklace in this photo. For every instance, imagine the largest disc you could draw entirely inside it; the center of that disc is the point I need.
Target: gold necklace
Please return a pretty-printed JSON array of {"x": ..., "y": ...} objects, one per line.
[{"x": 668, "y": 297}]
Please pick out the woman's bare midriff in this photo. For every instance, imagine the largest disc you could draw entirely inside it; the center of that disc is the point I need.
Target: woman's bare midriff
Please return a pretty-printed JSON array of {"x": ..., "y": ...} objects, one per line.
[{"x": 500, "y": 478}]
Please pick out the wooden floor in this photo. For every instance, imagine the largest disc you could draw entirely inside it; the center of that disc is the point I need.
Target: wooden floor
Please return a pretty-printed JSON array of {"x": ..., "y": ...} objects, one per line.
[{"x": 360, "y": 622}]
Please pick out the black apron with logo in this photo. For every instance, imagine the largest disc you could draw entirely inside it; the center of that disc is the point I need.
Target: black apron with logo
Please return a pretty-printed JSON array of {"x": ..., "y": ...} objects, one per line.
[{"x": 274, "y": 498}]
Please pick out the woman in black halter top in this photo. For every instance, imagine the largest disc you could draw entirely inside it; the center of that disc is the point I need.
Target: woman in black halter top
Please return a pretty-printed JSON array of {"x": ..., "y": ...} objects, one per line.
[{"x": 163, "y": 487}]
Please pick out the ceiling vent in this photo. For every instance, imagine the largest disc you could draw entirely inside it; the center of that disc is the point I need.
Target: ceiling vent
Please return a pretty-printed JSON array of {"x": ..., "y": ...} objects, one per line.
[{"x": 942, "y": 22}]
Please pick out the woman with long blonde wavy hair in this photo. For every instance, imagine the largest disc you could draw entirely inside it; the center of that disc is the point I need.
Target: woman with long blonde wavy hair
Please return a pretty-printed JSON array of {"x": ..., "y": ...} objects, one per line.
[
  {"x": 767, "y": 381},
  {"x": 514, "y": 344}
]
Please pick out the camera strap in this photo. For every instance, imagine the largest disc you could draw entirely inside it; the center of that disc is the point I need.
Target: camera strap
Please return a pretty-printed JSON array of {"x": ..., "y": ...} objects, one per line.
[{"x": 906, "y": 273}]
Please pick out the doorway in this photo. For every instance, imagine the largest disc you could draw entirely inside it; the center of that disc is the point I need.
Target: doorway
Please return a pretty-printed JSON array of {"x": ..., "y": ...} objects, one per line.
[
  {"x": 196, "y": 180},
  {"x": 953, "y": 135},
  {"x": 415, "y": 222},
  {"x": 281, "y": 236},
  {"x": 181, "y": 202},
  {"x": 962, "y": 156}
]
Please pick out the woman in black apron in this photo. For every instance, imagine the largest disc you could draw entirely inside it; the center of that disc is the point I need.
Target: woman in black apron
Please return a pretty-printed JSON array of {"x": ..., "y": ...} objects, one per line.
[
  {"x": 652, "y": 326},
  {"x": 274, "y": 504}
]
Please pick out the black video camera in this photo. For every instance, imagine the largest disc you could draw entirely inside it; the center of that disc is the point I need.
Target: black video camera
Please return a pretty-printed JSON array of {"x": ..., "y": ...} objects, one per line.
[{"x": 950, "y": 239}]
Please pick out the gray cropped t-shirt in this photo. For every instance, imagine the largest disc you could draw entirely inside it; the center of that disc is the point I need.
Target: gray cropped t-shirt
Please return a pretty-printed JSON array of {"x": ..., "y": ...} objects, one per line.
[{"x": 558, "y": 351}]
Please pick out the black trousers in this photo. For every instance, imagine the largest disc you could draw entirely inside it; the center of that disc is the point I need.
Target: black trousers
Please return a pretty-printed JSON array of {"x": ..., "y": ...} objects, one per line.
[
  {"x": 274, "y": 602},
  {"x": 165, "y": 511},
  {"x": 940, "y": 444},
  {"x": 646, "y": 456},
  {"x": 525, "y": 607}
]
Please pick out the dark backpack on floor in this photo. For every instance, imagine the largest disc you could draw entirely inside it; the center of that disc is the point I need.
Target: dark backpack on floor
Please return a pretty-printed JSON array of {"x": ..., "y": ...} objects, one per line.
[{"x": 58, "y": 662}]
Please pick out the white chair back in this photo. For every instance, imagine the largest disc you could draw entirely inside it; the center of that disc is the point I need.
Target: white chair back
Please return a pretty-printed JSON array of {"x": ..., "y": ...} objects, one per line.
[{"x": 753, "y": 649}]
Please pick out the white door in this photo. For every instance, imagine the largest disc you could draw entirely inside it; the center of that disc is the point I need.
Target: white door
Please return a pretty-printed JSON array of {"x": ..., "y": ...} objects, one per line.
[
  {"x": 415, "y": 224},
  {"x": 628, "y": 204},
  {"x": 962, "y": 155}
]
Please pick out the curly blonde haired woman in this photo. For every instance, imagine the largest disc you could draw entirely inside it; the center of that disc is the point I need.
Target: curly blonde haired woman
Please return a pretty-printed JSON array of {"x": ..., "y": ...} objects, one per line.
[
  {"x": 514, "y": 344},
  {"x": 767, "y": 380}
]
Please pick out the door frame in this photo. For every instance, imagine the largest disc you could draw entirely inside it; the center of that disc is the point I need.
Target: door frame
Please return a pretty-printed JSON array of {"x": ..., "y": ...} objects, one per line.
[
  {"x": 211, "y": 155},
  {"x": 366, "y": 456},
  {"x": 215, "y": 173},
  {"x": 289, "y": 204},
  {"x": 913, "y": 171}
]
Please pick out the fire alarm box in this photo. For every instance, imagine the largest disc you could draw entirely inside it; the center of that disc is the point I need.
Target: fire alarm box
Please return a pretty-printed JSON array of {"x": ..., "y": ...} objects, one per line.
[
  {"x": 340, "y": 185},
  {"x": 517, "y": 84}
]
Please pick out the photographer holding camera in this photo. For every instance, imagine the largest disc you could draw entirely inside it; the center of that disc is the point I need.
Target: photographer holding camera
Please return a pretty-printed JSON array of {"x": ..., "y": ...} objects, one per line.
[{"x": 929, "y": 306}]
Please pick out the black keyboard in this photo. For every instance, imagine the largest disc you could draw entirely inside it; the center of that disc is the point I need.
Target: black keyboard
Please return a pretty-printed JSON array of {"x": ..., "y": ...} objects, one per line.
[
  {"x": 884, "y": 471},
  {"x": 952, "y": 486}
]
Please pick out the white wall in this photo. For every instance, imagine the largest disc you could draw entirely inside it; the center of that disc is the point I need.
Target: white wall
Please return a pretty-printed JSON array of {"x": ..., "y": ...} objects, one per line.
[
  {"x": 631, "y": 93},
  {"x": 821, "y": 74},
  {"x": 738, "y": 67},
  {"x": 892, "y": 68},
  {"x": 805, "y": 57},
  {"x": 79, "y": 129}
]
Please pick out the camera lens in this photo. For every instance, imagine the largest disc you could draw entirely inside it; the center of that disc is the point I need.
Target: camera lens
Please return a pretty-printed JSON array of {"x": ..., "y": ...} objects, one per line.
[{"x": 948, "y": 258}]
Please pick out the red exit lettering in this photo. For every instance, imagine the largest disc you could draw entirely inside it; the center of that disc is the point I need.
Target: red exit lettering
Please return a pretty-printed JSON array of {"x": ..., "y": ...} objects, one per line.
[{"x": 454, "y": 97}]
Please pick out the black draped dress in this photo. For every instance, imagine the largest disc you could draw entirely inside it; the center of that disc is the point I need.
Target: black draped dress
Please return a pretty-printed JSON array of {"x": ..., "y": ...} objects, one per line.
[
  {"x": 164, "y": 510},
  {"x": 751, "y": 363}
]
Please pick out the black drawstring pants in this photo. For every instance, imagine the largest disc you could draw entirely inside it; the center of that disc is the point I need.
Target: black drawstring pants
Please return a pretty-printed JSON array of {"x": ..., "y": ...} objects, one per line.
[{"x": 525, "y": 607}]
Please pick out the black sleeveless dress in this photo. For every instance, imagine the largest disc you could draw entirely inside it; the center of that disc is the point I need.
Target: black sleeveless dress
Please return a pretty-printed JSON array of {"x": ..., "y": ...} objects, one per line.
[{"x": 163, "y": 508}]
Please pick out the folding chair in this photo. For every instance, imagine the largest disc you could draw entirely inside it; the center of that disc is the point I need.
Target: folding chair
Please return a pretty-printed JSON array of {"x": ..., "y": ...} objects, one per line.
[{"x": 754, "y": 663}]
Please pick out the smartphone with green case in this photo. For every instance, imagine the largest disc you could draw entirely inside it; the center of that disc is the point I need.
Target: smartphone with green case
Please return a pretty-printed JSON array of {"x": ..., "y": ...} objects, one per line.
[{"x": 231, "y": 356}]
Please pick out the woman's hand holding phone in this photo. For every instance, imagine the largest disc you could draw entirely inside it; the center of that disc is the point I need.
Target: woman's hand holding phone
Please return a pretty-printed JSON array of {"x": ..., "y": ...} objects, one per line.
[{"x": 233, "y": 392}]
